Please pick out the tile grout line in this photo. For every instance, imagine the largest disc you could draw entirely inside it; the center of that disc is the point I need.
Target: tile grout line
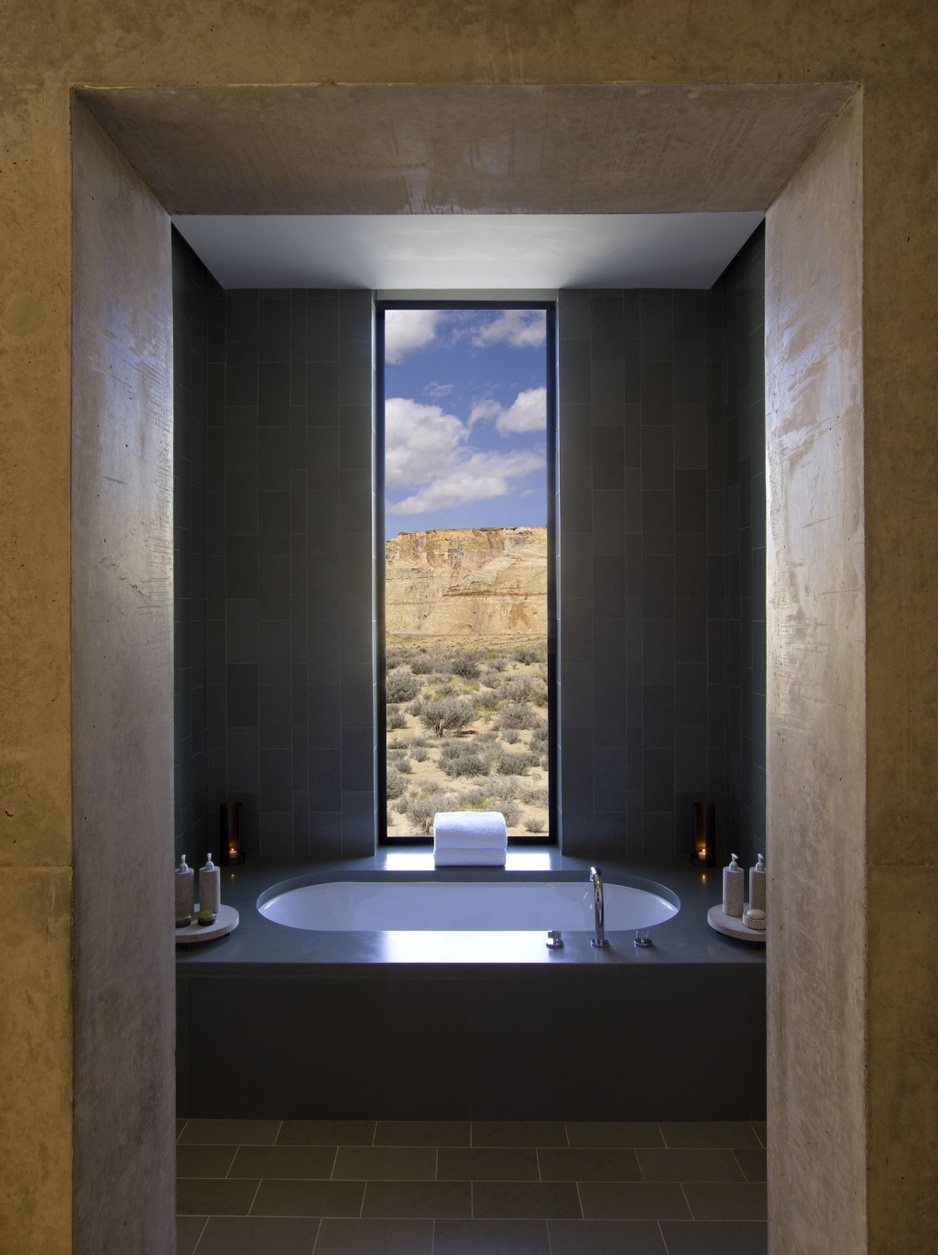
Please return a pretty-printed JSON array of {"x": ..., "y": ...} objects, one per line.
[
  {"x": 687, "y": 1200},
  {"x": 256, "y": 1192},
  {"x": 664, "y": 1240},
  {"x": 201, "y": 1235}
]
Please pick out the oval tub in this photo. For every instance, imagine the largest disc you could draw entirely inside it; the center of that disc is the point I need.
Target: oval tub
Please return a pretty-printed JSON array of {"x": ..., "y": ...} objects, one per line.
[{"x": 465, "y": 906}]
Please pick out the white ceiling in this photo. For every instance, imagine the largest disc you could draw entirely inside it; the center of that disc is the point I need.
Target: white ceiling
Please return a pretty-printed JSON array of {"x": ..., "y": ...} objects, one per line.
[{"x": 446, "y": 252}]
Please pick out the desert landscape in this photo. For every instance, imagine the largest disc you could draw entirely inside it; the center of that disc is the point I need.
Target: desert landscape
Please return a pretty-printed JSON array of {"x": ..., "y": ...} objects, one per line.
[{"x": 466, "y": 677}]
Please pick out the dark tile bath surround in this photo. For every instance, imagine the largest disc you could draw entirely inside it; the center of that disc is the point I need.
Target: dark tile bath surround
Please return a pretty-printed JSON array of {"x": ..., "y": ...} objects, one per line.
[
  {"x": 662, "y": 547},
  {"x": 662, "y": 647}
]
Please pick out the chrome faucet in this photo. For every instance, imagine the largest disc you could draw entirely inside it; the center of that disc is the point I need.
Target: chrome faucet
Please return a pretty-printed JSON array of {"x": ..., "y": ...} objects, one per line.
[{"x": 599, "y": 911}]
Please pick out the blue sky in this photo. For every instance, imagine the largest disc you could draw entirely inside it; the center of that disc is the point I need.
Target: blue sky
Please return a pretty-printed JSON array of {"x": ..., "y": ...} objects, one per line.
[{"x": 465, "y": 419}]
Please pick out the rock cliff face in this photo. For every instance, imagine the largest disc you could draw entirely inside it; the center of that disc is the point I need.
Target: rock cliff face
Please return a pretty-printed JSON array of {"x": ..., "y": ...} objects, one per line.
[{"x": 467, "y": 582}]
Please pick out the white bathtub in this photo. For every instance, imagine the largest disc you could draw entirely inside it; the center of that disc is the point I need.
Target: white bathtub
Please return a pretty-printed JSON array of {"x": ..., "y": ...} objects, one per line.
[{"x": 460, "y": 906}]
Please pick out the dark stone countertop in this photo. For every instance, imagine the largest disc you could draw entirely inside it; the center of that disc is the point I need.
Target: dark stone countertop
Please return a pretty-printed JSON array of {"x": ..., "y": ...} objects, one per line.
[{"x": 258, "y": 943}]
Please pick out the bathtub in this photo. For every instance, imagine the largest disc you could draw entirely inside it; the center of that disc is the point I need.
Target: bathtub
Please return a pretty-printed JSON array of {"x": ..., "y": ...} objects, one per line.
[
  {"x": 336, "y": 1014},
  {"x": 461, "y": 906}
]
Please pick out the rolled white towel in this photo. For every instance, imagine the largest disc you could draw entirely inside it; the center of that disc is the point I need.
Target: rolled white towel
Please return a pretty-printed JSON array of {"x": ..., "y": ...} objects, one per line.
[
  {"x": 470, "y": 830},
  {"x": 478, "y": 856}
]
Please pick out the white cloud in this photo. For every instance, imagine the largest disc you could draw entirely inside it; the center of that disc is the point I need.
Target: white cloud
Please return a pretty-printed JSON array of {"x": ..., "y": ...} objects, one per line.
[
  {"x": 518, "y": 328},
  {"x": 476, "y": 477},
  {"x": 420, "y": 442},
  {"x": 425, "y": 449},
  {"x": 528, "y": 412},
  {"x": 439, "y": 390},
  {"x": 406, "y": 330}
]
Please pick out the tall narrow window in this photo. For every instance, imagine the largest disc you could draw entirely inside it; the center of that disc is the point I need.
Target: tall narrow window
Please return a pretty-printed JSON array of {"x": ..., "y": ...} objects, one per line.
[{"x": 468, "y": 589}]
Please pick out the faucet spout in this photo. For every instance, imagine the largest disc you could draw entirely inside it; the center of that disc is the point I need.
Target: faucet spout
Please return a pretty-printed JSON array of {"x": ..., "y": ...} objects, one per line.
[{"x": 599, "y": 910}]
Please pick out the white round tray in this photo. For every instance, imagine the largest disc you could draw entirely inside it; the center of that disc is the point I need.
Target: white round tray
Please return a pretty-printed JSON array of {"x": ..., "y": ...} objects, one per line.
[
  {"x": 225, "y": 921},
  {"x": 733, "y": 926}
]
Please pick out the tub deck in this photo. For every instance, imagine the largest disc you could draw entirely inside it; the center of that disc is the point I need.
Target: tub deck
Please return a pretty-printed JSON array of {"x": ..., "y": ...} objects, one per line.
[{"x": 285, "y": 1023}]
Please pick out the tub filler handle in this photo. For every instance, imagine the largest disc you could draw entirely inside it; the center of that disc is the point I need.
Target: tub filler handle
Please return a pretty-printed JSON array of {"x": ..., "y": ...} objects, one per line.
[{"x": 599, "y": 910}]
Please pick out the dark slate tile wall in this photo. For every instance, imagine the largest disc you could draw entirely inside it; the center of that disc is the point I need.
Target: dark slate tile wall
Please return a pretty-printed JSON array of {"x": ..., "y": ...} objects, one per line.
[
  {"x": 289, "y": 542},
  {"x": 642, "y": 700},
  {"x": 193, "y": 287},
  {"x": 744, "y": 336}
]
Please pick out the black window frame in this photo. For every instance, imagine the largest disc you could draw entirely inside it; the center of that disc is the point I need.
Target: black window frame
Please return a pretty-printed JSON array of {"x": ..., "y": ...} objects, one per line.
[{"x": 552, "y": 836}]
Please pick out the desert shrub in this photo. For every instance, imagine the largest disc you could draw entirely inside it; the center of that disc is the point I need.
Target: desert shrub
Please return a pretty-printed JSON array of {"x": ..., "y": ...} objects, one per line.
[
  {"x": 483, "y": 797},
  {"x": 534, "y": 797},
  {"x": 525, "y": 688},
  {"x": 402, "y": 685},
  {"x": 490, "y": 678},
  {"x": 497, "y": 662},
  {"x": 486, "y": 700},
  {"x": 510, "y": 736},
  {"x": 538, "y": 728},
  {"x": 431, "y": 662},
  {"x": 508, "y": 764},
  {"x": 419, "y": 753},
  {"x": 516, "y": 715},
  {"x": 421, "y": 810},
  {"x": 396, "y": 718},
  {"x": 525, "y": 655},
  {"x": 396, "y": 784},
  {"x": 448, "y": 714},
  {"x": 464, "y": 758},
  {"x": 465, "y": 663},
  {"x": 533, "y": 825}
]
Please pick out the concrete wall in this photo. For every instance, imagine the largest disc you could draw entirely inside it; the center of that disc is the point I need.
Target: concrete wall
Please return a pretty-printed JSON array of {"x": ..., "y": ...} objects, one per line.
[
  {"x": 790, "y": 46},
  {"x": 122, "y": 705},
  {"x": 816, "y": 697}
]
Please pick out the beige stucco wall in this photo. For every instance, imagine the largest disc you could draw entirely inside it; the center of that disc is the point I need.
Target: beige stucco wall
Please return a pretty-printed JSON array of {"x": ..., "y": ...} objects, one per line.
[{"x": 45, "y": 49}]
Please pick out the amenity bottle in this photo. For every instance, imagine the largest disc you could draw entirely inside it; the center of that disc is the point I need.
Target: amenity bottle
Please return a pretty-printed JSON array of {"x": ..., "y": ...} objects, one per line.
[
  {"x": 209, "y": 887},
  {"x": 185, "y": 889},
  {"x": 733, "y": 878},
  {"x": 757, "y": 885}
]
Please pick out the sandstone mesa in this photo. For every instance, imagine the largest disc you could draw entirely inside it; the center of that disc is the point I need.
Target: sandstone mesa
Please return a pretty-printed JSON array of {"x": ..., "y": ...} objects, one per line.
[{"x": 467, "y": 582}]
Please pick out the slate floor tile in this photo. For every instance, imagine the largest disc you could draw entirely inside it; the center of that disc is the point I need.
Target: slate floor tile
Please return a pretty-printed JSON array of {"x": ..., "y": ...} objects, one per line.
[
  {"x": 375, "y": 1237},
  {"x": 689, "y": 1165},
  {"x": 326, "y": 1133},
  {"x": 518, "y": 1133},
  {"x": 605, "y": 1237},
  {"x": 525, "y": 1200},
  {"x": 752, "y": 1163},
  {"x": 588, "y": 1165},
  {"x": 230, "y": 1133},
  {"x": 309, "y": 1198},
  {"x": 422, "y": 1133},
  {"x": 614, "y": 1133},
  {"x": 726, "y": 1202},
  {"x": 188, "y": 1231},
  {"x": 713, "y": 1133},
  {"x": 730, "y": 1237},
  {"x": 759, "y": 1128},
  {"x": 482, "y": 1164},
  {"x": 490, "y": 1237},
  {"x": 180, "y": 1125},
  {"x": 385, "y": 1163},
  {"x": 625, "y": 1200},
  {"x": 205, "y": 1161},
  {"x": 258, "y": 1235},
  {"x": 303, "y": 1163},
  {"x": 214, "y": 1198},
  {"x": 418, "y": 1198}
]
